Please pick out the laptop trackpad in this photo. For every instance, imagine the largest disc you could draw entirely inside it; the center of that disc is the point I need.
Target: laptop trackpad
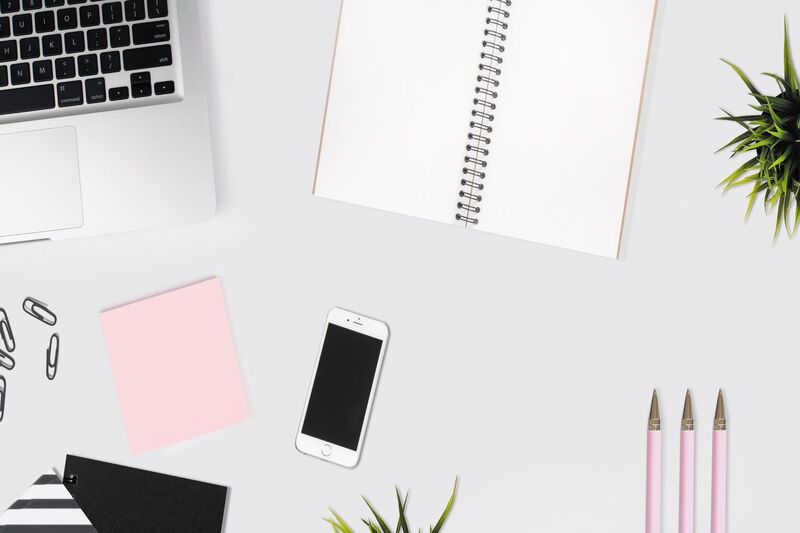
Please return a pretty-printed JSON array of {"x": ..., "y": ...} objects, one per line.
[{"x": 40, "y": 182}]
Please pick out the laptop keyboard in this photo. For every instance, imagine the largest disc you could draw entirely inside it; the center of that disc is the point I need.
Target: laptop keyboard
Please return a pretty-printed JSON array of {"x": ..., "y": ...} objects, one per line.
[{"x": 60, "y": 57}]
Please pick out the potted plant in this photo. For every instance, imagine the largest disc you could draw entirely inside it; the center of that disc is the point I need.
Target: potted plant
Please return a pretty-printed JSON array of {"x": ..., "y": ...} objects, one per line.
[
  {"x": 772, "y": 141},
  {"x": 377, "y": 524}
]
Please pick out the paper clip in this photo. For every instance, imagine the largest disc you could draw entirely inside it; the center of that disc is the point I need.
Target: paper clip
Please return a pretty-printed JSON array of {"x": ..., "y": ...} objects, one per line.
[
  {"x": 6, "y": 361},
  {"x": 2, "y": 397},
  {"x": 5, "y": 331},
  {"x": 52, "y": 356},
  {"x": 39, "y": 311}
]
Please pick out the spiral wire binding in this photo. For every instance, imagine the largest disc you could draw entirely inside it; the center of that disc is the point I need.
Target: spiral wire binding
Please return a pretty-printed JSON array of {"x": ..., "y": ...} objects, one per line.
[{"x": 486, "y": 92}]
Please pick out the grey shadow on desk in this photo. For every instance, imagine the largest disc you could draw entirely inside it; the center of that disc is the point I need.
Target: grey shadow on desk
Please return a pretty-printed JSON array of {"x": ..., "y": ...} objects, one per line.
[
  {"x": 644, "y": 120},
  {"x": 227, "y": 506},
  {"x": 214, "y": 113}
]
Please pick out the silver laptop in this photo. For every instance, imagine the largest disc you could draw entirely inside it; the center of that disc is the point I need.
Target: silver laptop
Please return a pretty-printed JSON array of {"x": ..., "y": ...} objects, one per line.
[{"x": 103, "y": 118}]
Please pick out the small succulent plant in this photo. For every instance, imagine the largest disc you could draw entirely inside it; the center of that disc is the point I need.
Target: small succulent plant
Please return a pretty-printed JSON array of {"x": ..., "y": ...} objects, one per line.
[
  {"x": 772, "y": 141},
  {"x": 377, "y": 524}
]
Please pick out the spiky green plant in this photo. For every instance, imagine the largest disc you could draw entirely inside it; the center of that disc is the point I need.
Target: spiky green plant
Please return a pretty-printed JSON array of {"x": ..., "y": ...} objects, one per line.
[
  {"x": 377, "y": 524},
  {"x": 772, "y": 139}
]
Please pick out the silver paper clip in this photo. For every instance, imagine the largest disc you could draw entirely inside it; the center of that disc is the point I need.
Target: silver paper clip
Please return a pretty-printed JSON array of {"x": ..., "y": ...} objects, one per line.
[
  {"x": 2, "y": 397},
  {"x": 6, "y": 361},
  {"x": 6, "y": 334},
  {"x": 39, "y": 311},
  {"x": 52, "y": 356}
]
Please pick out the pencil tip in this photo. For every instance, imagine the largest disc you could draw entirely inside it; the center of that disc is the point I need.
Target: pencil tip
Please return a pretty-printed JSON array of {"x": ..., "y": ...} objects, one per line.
[
  {"x": 654, "y": 421},
  {"x": 687, "y": 422},
  {"x": 720, "y": 422}
]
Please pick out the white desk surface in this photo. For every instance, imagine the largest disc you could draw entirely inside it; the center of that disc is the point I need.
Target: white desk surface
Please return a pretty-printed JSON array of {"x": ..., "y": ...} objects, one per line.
[{"x": 526, "y": 370}]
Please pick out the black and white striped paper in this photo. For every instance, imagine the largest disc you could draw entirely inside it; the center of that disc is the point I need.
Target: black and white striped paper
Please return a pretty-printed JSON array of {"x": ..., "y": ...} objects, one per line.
[{"x": 46, "y": 507}]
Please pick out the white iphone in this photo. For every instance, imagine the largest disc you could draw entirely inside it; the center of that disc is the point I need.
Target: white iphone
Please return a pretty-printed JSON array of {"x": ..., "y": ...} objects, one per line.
[{"x": 340, "y": 398}]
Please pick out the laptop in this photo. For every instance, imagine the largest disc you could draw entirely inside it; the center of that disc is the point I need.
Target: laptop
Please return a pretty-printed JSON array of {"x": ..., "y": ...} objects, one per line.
[{"x": 103, "y": 118}]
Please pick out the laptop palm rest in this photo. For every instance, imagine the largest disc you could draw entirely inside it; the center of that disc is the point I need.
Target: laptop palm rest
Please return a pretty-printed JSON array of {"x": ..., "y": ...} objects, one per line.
[{"x": 40, "y": 186}]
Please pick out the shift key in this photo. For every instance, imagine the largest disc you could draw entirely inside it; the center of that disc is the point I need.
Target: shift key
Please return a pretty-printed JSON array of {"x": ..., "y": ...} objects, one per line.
[{"x": 148, "y": 57}]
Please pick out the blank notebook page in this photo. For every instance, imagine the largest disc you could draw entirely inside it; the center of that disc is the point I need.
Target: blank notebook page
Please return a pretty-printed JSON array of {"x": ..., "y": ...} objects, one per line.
[
  {"x": 402, "y": 96},
  {"x": 566, "y": 122},
  {"x": 399, "y": 105}
]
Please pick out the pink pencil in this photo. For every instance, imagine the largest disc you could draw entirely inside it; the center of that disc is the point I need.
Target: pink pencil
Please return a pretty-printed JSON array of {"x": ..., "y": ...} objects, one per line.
[
  {"x": 653, "y": 509},
  {"x": 686, "y": 498},
  {"x": 719, "y": 466}
]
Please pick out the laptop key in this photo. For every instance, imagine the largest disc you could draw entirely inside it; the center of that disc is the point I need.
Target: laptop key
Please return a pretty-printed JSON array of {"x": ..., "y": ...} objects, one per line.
[
  {"x": 3, "y": 75},
  {"x": 70, "y": 94},
  {"x": 90, "y": 16},
  {"x": 157, "y": 8},
  {"x": 118, "y": 93},
  {"x": 67, "y": 18},
  {"x": 43, "y": 71},
  {"x": 65, "y": 68},
  {"x": 110, "y": 62},
  {"x": 134, "y": 10},
  {"x": 120, "y": 36},
  {"x": 51, "y": 45},
  {"x": 34, "y": 98},
  {"x": 5, "y": 27},
  {"x": 87, "y": 65},
  {"x": 96, "y": 91},
  {"x": 53, "y": 3},
  {"x": 23, "y": 24},
  {"x": 20, "y": 74},
  {"x": 30, "y": 5},
  {"x": 29, "y": 48},
  {"x": 74, "y": 42},
  {"x": 165, "y": 87},
  {"x": 112, "y": 12},
  {"x": 151, "y": 32},
  {"x": 8, "y": 51},
  {"x": 9, "y": 6},
  {"x": 140, "y": 85},
  {"x": 147, "y": 57},
  {"x": 45, "y": 21},
  {"x": 97, "y": 39}
]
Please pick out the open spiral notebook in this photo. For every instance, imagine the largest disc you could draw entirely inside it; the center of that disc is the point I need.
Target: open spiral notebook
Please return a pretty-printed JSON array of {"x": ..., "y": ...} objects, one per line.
[{"x": 515, "y": 117}]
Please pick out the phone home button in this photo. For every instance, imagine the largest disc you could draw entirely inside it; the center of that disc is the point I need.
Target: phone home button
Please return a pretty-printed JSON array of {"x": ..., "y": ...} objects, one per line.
[{"x": 326, "y": 450}]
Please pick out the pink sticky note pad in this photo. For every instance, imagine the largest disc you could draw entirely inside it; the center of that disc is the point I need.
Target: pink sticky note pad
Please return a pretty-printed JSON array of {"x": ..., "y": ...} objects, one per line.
[{"x": 175, "y": 366}]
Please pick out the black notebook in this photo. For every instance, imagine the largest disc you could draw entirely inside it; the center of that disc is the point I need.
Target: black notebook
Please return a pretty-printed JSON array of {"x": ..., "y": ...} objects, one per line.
[{"x": 119, "y": 499}]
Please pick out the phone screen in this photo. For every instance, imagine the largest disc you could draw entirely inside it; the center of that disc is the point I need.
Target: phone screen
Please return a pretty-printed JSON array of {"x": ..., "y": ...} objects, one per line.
[{"x": 341, "y": 390}]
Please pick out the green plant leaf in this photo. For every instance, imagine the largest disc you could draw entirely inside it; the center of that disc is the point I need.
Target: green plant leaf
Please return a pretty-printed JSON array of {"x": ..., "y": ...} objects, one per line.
[
  {"x": 338, "y": 523},
  {"x": 438, "y": 527},
  {"x": 384, "y": 526},
  {"x": 783, "y": 85},
  {"x": 758, "y": 188},
  {"x": 402, "y": 522},
  {"x": 781, "y": 211},
  {"x": 790, "y": 74},
  {"x": 796, "y": 217},
  {"x": 742, "y": 181},
  {"x": 741, "y": 170},
  {"x": 743, "y": 77},
  {"x": 736, "y": 141},
  {"x": 371, "y": 526},
  {"x": 789, "y": 149}
]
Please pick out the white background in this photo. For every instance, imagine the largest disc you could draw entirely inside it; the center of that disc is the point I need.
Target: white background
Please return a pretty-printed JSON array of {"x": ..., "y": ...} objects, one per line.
[{"x": 526, "y": 370}]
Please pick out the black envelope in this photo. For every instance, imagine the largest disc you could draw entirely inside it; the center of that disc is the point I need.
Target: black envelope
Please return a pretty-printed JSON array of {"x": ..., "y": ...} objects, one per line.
[{"x": 118, "y": 499}]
